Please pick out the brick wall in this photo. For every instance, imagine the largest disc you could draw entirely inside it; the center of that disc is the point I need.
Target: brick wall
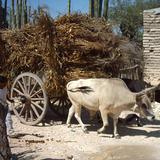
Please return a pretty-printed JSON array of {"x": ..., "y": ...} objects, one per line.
[{"x": 151, "y": 44}]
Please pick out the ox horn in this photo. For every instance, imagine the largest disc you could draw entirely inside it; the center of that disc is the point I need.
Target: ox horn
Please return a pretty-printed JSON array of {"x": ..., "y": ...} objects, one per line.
[{"x": 147, "y": 90}]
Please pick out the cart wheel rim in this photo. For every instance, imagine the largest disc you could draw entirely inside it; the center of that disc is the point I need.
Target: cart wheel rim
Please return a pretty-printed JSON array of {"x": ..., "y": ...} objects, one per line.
[{"x": 30, "y": 98}]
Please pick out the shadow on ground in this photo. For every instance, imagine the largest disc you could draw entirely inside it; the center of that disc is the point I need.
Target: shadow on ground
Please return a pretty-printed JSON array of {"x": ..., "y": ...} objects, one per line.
[
  {"x": 26, "y": 155},
  {"x": 52, "y": 159},
  {"x": 30, "y": 155},
  {"x": 130, "y": 130}
]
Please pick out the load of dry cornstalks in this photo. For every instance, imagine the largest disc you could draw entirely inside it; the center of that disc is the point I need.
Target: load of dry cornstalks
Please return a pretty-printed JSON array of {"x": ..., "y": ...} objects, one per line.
[{"x": 68, "y": 48}]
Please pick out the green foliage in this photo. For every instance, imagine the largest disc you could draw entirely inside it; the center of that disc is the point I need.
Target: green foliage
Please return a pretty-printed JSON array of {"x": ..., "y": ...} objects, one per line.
[{"x": 129, "y": 16}]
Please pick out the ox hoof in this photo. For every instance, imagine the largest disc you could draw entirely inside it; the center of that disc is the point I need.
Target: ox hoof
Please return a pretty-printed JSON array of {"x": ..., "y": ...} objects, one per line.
[
  {"x": 85, "y": 130},
  {"x": 68, "y": 125},
  {"x": 99, "y": 132},
  {"x": 116, "y": 136},
  {"x": 140, "y": 125}
]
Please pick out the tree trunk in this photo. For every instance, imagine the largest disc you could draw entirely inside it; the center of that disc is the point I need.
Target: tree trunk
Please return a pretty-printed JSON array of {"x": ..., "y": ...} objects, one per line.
[
  {"x": 5, "y": 13},
  {"x": 69, "y": 7},
  {"x": 95, "y": 8},
  {"x": 5, "y": 152},
  {"x": 91, "y": 8},
  {"x": 1, "y": 15},
  {"x": 17, "y": 14},
  {"x": 100, "y": 2},
  {"x": 34, "y": 16},
  {"x": 29, "y": 14},
  {"x": 105, "y": 9},
  {"x": 13, "y": 16},
  {"x": 10, "y": 19},
  {"x": 20, "y": 14},
  {"x": 39, "y": 10},
  {"x": 25, "y": 11}
]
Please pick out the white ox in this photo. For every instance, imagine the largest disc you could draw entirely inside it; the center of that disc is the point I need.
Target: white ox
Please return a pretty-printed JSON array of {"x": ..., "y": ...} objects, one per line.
[{"x": 109, "y": 96}]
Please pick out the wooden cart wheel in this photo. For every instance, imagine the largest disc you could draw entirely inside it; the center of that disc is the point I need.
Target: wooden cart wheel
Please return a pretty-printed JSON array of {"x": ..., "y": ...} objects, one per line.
[
  {"x": 60, "y": 106},
  {"x": 30, "y": 98}
]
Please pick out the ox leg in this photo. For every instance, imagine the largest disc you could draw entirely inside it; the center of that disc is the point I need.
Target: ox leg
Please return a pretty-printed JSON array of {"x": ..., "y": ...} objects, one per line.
[
  {"x": 104, "y": 116},
  {"x": 78, "y": 117},
  {"x": 70, "y": 115},
  {"x": 115, "y": 132}
]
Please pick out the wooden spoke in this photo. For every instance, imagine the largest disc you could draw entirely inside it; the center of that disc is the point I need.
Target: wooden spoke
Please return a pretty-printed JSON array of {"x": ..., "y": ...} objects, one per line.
[
  {"x": 38, "y": 106},
  {"x": 37, "y": 99},
  {"x": 29, "y": 84},
  {"x": 18, "y": 91},
  {"x": 21, "y": 86},
  {"x": 36, "y": 93},
  {"x": 18, "y": 106},
  {"x": 55, "y": 100},
  {"x": 24, "y": 84},
  {"x": 59, "y": 103},
  {"x": 33, "y": 88},
  {"x": 63, "y": 105},
  {"x": 23, "y": 108},
  {"x": 26, "y": 115},
  {"x": 31, "y": 114},
  {"x": 35, "y": 111},
  {"x": 39, "y": 96}
]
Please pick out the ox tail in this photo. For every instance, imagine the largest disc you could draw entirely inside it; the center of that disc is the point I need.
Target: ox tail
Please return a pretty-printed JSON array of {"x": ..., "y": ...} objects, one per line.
[
  {"x": 83, "y": 89},
  {"x": 147, "y": 90}
]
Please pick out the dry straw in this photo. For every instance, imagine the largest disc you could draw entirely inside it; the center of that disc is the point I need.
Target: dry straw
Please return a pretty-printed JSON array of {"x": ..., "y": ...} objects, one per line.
[{"x": 68, "y": 48}]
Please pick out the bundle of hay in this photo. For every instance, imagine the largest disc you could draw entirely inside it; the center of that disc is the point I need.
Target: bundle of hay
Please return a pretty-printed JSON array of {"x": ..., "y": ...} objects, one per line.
[{"x": 71, "y": 47}]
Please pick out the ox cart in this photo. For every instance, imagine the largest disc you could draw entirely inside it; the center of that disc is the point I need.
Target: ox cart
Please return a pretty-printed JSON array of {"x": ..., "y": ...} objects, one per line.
[{"x": 70, "y": 48}]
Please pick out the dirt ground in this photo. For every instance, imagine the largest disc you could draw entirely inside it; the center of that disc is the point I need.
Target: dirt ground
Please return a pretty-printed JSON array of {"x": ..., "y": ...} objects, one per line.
[{"x": 58, "y": 142}]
